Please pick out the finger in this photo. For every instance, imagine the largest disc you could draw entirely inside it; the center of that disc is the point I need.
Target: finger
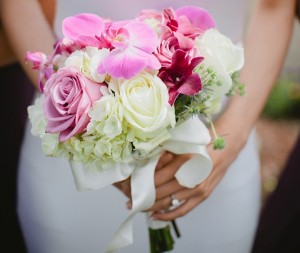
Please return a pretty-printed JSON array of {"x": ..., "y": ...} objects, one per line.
[
  {"x": 167, "y": 189},
  {"x": 167, "y": 173},
  {"x": 166, "y": 203},
  {"x": 124, "y": 186},
  {"x": 165, "y": 158},
  {"x": 180, "y": 211},
  {"x": 163, "y": 196}
]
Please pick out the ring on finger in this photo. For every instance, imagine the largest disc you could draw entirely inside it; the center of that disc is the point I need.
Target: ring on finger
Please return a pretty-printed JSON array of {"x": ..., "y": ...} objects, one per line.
[{"x": 174, "y": 201}]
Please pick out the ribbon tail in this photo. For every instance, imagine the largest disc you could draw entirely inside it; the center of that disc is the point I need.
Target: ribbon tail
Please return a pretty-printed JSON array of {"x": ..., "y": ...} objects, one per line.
[{"x": 143, "y": 197}]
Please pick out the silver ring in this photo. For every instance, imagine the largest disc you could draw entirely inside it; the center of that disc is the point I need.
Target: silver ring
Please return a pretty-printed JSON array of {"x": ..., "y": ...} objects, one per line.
[{"x": 174, "y": 201}]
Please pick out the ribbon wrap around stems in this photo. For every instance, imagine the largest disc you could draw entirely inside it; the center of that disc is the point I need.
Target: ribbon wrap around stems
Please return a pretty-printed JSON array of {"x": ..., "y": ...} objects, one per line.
[{"x": 191, "y": 136}]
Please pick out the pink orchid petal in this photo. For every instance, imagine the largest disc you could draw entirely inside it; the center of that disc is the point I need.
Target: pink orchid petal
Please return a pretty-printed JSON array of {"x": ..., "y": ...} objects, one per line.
[
  {"x": 134, "y": 45},
  {"x": 37, "y": 58},
  {"x": 197, "y": 16},
  {"x": 83, "y": 28},
  {"x": 153, "y": 62},
  {"x": 142, "y": 36},
  {"x": 126, "y": 63}
]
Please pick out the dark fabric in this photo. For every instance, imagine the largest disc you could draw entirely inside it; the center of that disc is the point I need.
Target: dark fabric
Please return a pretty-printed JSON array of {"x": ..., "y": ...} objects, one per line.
[
  {"x": 279, "y": 226},
  {"x": 16, "y": 94}
]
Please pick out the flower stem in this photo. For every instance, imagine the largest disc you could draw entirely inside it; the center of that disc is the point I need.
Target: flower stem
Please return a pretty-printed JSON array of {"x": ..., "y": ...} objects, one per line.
[
  {"x": 161, "y": 240},
  {"x": 176, "y": 229},
  {"x": 218, "y": 141}
]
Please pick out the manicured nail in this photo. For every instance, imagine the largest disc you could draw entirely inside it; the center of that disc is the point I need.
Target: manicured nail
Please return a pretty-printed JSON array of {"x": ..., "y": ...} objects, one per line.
[
  {"x": 153, "y": 217},
  {"x": 129, "y": 205}
]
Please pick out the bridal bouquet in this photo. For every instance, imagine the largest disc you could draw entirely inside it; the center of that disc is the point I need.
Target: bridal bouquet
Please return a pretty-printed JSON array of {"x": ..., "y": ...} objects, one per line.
[{"x": 115, "y": 94}]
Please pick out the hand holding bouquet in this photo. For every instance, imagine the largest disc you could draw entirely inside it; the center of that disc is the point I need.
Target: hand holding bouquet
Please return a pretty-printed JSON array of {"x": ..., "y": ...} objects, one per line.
[{"x": 114, "y": 95}]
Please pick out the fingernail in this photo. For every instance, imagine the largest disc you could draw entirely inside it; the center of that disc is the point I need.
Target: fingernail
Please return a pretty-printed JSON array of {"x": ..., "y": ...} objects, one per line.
[
  {"x": 129, "y": 205},
  {"x": 153, "y": 217}
]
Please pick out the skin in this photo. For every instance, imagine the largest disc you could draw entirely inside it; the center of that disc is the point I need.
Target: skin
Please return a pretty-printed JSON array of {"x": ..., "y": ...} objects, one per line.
[
  {"x": 21, "y": 21},
  {"x": 271, "y": 21}
]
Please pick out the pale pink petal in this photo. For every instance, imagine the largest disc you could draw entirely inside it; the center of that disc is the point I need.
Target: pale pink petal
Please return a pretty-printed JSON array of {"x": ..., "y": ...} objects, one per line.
[
  {"x": 79, "y": 127},
  {"x": 58, "y": 126},
  {"x": 83, "y": 28},
  {"x": 183, "y": 41},
  {"x": 37, "y": 58},
  {"x": 197, "y": 16},
  {"x": 153, "y": 62},
  {"x": 142, "y": 36}
]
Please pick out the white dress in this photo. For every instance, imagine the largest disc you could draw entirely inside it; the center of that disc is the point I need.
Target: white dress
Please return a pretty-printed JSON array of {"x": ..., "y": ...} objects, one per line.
[{"x": 56, "y": 218}]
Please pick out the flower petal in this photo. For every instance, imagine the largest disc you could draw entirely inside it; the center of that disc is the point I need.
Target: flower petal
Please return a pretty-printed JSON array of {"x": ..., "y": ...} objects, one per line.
[
  {"x": 197, "y": 16},
  {"x": 191, "y": 86},
  {"x": 83, "y": 28},
  {"x": 142, "y": 36},
  {"x": 126, "y": 63}
]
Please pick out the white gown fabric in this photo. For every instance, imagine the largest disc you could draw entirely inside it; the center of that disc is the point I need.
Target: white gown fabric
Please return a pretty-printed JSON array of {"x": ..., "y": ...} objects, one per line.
[{"x": 56, "y": 218}]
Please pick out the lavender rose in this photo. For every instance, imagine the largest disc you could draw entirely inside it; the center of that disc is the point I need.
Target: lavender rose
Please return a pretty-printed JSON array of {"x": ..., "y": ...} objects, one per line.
[{"x": 68, "y": 97}]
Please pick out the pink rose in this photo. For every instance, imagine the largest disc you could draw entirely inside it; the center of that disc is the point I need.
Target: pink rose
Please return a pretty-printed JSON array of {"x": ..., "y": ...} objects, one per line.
[
  {"x": 68, "y": 98},
  {"x": 170, "y": 44}
]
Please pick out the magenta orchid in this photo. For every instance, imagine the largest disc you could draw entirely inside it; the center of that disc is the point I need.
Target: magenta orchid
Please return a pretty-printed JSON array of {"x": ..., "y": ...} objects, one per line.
[
  {"x": 179, "y": 77},
  {"x": 133, "y": 46}
]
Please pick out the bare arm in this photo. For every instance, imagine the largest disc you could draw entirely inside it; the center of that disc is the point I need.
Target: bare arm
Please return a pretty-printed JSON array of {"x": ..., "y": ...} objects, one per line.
[
  {"x": 6, "y": 54},
  {"x": 267, "y": 41},
  {"x": 26, "y": 29}
]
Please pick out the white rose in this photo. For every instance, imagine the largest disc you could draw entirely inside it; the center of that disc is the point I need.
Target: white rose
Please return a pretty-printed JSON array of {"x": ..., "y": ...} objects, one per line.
[
  {"x": 146, "y": 108},
  {"x": 222, "y": 56},
  {"x": 87, "y": 62}
]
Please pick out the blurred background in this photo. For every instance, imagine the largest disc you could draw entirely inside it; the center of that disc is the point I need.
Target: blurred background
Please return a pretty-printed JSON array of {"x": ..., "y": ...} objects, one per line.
[{"x": 279, "y": 123}]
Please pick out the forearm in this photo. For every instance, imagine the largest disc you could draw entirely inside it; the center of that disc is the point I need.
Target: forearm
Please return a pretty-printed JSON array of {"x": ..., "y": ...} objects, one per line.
[
  {"x": 266, "y": 44},
  {"x": 6, "y": 54},
  {"x": 26, "y": 29}
]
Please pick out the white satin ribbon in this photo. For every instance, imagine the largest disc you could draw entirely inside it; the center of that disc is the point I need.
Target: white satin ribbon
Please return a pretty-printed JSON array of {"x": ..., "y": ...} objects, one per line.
[{"x": 191, "y": 136}]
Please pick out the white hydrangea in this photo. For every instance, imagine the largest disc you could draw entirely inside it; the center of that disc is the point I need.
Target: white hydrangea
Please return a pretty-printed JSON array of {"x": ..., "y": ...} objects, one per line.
[
  {"x": 51, "y": 146},
  {"x": 37, "y": 118},
  {"x": 106, "y": 117},
  {"x": 87, "y": 61}
]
